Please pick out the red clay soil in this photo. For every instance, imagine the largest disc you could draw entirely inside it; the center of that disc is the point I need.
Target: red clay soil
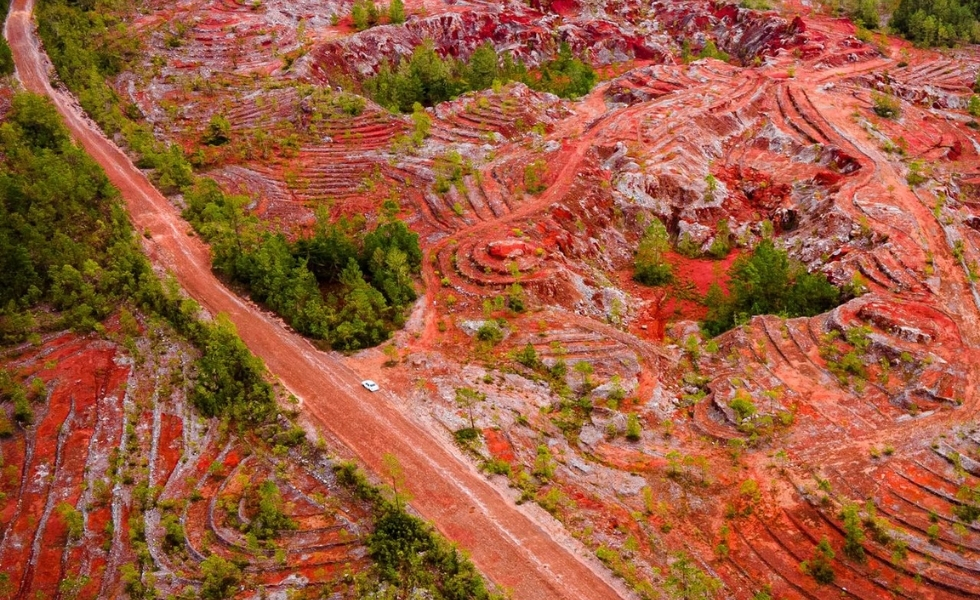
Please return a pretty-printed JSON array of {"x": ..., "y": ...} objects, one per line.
[
  {"x": 506, "y": 545},
  {"x": 79, "y": 375}
]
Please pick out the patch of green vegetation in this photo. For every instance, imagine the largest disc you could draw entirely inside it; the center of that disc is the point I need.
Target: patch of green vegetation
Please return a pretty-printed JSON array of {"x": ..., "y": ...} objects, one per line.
[
  {"x": 368, "y": 274},
  {"x": 428, "y": 79},
  {"x": 767, "y": 282},
  {"x": 968, "y": 509},
  {"x": 709, "y": 50},
  {"x": 534, "y": 175},
  {"x": 650, "y": 266},
  {"x": 820, "y": 566},
  {"x": 268, "y": 519},
  {"x": 937, "y": 22},
  {"x": 885, "y": 105},
  {"x": 408, "y": 554}
]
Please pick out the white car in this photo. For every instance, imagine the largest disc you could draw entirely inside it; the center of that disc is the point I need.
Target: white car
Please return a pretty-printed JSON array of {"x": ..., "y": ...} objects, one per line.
[{"x": 370, "y": 385}]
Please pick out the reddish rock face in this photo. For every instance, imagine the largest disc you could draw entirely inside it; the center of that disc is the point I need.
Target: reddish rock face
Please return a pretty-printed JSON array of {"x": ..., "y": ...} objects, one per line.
[{"x": 504, "y": 249}]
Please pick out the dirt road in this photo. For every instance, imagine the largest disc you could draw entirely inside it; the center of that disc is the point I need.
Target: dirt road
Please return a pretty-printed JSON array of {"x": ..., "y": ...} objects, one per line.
[{"x": 506, "y": 544}]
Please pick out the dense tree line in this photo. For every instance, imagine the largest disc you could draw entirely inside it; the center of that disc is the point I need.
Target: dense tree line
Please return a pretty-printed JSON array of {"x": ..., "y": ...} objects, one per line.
[
  {"x": 87, "y": 46},
  {"x": 427, "y": 78},
  {"x": 938, "y": 22},
  {"x": 66, "y": 245},
  {"x": 408, "y": 554},
  {"x": 767, "y": 282},
  {"x": 64, "y": 241},
  {"x": 344, "y": 284},
  {"x": 365, "y": 13}
]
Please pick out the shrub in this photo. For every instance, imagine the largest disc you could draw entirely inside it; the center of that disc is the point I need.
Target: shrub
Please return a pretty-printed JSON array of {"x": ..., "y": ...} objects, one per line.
[
  {"x": 497, "y": 466},
  {"x": 820, "y": 567},
  {"x": 544, "y": 464},
  {"x": 218, "y": 131},
  {"x": 533, "y": 177},
  {"x": 6, "y": 427},
  {"x": 269, "y": 518},
  {"x": 686, "y": 246},
  {"x": 743, "y": 406},
  {"x": 23, "y": 413},
  {"x": 173, "y": 533},
  {"x": 915, "y": 175},
  {"x": 221, "y": 578},
  {"x": 6, "y": 58},
  {"x": 722, "y": 244},
  {"x": 528, "y": 357},
  {"x": 74, "y": 522},
  {"x": 633, "y": 428},
  {"x": 974, "y": 106},
  {"x": 853, "y": 532},
  {"x": 490, "y": 332},
  {"x": 686, "y": 580},
  {"x": 885, "y": 105}
]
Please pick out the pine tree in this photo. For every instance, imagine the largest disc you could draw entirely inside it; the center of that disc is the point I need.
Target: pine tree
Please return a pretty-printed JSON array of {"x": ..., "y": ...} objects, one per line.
[{"x": 396, "y": 12}]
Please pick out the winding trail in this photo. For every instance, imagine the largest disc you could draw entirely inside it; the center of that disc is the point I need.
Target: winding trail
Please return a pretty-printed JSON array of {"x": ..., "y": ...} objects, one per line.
[{"x": 512, "y": 549}]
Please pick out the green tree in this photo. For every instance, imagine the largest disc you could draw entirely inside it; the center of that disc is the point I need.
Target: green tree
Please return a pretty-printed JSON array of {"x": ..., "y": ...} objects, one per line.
[
  {"x": 468, "y": 398},
  {"x": 218, "y": 131},
  {"x": 820, "y": 566},
  {"x": 422, "y": 122},
  {"x": 686, "y": 580},
  {"x": 394, "y": 471},
  {"x": 867, "y": 14},
  {"x": 359, "y": 15},
  {"x": 585, "y": 369},
  {"x": 396, "y": 12},
  {"x": 6, "y": 58},
  {"x": 937, "y": 22},
  {"x": 482, "y": 68},
  {"x": 230, "y": 380},
  {"x": 767, "y": 282},
  {"x": 565, "y": 75},
  {"x": 221, "y": 578},
  {"x": 633, "y": 428},
  {"x": 650, "y": 266},
  {"x": 74, "y": 522},
  {"x": 268, "y": 519},
  {"x": 853, "y": 533}
]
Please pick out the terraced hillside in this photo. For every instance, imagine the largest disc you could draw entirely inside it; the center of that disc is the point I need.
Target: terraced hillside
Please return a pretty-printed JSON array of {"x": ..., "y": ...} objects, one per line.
[
  {"x": 119, "y": 483},
  {"x": 788, "y": 457}
]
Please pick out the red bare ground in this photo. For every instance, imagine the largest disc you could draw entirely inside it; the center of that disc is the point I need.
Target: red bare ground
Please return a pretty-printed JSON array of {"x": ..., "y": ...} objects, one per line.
[
  {"x": 497, "y": 445},
  {"x": 170, "y": 446},
  {"x": 314, "y": 377},
  {"x": 793, "y": 140}
]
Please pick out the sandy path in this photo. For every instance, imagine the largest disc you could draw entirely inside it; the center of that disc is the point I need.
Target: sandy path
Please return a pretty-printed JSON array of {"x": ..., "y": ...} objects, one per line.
[{"x": 506, "y": 544}]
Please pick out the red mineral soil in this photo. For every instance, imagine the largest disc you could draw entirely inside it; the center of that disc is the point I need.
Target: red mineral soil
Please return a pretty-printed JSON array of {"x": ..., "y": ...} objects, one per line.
[
  {"x": 81, "y": 377},
  {"x": 92, "y": 447},
  {"x": 512, "y": 549},
  {"x": 868, "y": 410}
]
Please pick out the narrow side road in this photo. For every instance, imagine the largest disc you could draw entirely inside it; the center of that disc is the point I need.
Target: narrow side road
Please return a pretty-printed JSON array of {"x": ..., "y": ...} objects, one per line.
[{"x": 506, "y": 545}]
